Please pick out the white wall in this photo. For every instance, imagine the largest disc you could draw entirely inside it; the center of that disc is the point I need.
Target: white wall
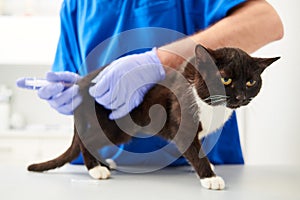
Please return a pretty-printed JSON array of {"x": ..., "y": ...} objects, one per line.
[{"x": 270, "y": 131}]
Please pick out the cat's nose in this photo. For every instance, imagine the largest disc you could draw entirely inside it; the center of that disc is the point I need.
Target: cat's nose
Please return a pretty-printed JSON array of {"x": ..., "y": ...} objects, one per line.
[{"x": 241, "y": 97}]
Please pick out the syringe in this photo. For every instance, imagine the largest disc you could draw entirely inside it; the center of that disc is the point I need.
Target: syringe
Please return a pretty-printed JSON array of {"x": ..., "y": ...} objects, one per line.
[{"x": 37, "y": 83}]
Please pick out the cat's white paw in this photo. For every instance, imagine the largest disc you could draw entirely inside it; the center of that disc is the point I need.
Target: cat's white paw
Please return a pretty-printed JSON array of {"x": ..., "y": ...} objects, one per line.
[
  {"x": 213, "y": 183},
  {"x": 99, "y": 172}
]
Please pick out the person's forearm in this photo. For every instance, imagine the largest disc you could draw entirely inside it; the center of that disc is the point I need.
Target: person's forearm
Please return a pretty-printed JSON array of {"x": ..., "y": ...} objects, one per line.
[{"x": 250, "y": 26}]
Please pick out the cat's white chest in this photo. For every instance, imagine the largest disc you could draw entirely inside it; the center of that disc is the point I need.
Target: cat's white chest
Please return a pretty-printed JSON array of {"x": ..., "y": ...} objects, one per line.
[{"x": 212, "y": 117}]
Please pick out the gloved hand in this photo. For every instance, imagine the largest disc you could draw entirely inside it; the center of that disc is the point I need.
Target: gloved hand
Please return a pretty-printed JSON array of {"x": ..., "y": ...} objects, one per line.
[
  {"x": 122, "y": 85},
  {"x": 62, "y": 98}
]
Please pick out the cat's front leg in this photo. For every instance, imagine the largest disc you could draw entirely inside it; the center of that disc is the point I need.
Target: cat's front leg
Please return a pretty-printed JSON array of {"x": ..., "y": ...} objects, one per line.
[{"x": 195, "y": 155}]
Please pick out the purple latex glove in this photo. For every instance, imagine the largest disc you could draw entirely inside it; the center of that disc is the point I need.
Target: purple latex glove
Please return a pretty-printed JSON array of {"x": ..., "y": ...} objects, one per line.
[
  {"x": 61, "y": 97},
  {"x": 122, "y": 85}
]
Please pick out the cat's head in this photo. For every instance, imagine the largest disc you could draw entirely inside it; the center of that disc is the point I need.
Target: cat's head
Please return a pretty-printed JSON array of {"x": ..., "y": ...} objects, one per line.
[{"x": 237, "y": 79}]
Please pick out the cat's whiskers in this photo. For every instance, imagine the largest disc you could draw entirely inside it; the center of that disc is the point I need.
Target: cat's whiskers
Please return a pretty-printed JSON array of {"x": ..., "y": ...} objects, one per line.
[
  {"x": 215, "y": 97},
  {"x": 218, "y": 101}
]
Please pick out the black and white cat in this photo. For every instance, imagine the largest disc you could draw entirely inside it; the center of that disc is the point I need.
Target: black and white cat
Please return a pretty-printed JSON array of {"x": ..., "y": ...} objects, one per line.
[{"x": 197, "y": 101}]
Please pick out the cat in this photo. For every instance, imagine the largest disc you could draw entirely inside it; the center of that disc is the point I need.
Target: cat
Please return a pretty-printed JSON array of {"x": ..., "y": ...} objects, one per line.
[{"x": 191, "y": 99}]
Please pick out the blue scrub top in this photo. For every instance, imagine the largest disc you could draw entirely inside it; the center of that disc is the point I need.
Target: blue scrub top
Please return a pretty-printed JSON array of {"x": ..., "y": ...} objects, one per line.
[{"x": 86, "y": 43}]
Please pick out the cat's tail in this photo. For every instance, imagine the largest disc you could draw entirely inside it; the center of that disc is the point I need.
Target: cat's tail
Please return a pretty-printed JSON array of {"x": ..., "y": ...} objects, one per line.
[{"x": 70, "y": 154}]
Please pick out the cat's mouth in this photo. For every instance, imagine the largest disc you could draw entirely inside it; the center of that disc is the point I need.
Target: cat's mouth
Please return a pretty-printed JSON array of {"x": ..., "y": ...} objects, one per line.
[
  {"x": 232, "y": 106},
  {"x": 236, "y": 104}
]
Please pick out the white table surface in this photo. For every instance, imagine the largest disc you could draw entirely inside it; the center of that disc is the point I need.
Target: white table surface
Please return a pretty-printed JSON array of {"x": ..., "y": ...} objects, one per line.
[{"x": 180, "y": 183}]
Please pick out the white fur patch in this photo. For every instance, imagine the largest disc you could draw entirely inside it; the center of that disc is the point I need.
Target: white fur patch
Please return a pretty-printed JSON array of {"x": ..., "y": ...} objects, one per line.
[
  {"x": 99, "y": 172},
  {"x": 112, "y": 163},
  {"x": 212, "y": 167},
  {"x": 213, "y": 183},
  {"x": 212, "y": 117}
]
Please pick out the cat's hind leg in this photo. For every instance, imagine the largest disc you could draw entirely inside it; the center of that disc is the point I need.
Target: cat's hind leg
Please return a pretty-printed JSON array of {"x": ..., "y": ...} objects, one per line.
[{"x": 96, "y": 170}]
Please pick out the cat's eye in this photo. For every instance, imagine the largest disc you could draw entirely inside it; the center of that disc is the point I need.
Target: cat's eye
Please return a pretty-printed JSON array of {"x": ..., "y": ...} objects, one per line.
[
  {"x": 250, "y": 83},
  {"x": 226, "y": 81}
]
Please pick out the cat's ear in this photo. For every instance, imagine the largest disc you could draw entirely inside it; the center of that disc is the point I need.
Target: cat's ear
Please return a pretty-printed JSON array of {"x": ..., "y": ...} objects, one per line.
[
  {"x": 203, "y": 54},
  {"x": 205, "y": 62},
  {"x": 265, "y": 62}
]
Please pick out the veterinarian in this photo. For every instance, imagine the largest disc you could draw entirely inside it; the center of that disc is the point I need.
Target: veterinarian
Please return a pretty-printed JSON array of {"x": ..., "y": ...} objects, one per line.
[{"x": 89, "y": 39}]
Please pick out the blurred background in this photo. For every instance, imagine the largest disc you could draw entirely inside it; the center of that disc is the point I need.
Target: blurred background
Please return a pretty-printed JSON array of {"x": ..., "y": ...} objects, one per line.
[{"x": 30, "y": 130}]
